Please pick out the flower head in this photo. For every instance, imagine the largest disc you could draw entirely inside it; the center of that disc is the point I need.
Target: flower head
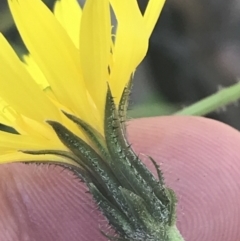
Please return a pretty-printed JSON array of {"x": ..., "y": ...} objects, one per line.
[{"x": 67, "y": 101}]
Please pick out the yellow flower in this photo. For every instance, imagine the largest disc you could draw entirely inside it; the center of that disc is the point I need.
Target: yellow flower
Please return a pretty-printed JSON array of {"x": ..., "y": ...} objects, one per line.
[
  {"x": 74, "y": 56},
  {"x": 60, "y": 101}
]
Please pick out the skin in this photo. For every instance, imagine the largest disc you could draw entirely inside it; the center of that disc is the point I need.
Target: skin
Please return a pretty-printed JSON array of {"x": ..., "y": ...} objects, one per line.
[{"x": 201, "y": 162}]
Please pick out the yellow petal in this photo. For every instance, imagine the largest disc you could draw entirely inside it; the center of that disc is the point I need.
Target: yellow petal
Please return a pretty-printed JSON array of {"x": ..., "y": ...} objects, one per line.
[
  {"x": 21, "y": 157},
  {"x": 19, "y": 90},
  {"x": 7, "y": 114},
  {"x": 54, "y": 52},
  {"x": 130, "y": 44},
  {"x": 95, "y": 40},
  {"x": 35, "y": 72},
  {"x": 10, "y": 141},
  {"x": 152, "y": 13},
  {"x": 24, "y": 125},
  {"x": 68, "y": 13}
]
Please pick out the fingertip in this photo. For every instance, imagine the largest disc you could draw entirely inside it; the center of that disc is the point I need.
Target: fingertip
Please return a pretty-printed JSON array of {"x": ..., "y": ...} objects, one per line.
[{"x": 42, "y": 202}]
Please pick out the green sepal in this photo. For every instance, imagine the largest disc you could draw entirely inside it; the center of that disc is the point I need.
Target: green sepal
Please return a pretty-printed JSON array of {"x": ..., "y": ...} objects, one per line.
[
  {"x": 116, "y": 218},
  {"x": 106, "y": 181},
  {"x": 94, "y": 136},
  {"x": 139, "y": 206},
  {"x": 171, "y": 206},
  {"x": 151, "y": 230},
  {"x": 65, "y": 154},
  {"x": 124, "y": 102},
  {"x": 124, "y": 168}
]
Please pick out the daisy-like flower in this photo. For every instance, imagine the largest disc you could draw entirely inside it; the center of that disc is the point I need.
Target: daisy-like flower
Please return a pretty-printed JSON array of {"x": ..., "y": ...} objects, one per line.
[{"x": 67, "y": 100}]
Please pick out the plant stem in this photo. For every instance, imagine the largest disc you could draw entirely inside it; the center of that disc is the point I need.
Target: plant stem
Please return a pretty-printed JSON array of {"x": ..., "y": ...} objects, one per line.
[
  {"x": 174, "y": 234},
  {"x": 220, "y": 99}
]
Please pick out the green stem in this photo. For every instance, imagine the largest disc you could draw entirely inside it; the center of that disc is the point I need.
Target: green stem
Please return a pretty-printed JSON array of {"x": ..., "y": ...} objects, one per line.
[
  {"x": 213, "y": 102},
  {"x": 174, "y": 234}
]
